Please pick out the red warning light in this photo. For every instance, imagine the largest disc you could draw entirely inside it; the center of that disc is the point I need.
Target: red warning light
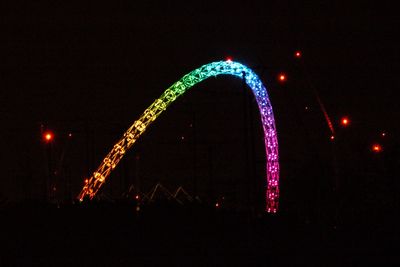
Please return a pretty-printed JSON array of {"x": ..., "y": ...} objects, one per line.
[
  {"x": 229, "y": 59},
  {"x": 282, "y": 77},
  {"x": 297, "y": 54},
  {"x": 217, "y": 205},
  {"x": 332, "y": 137},
  {"x": 48, "y": 136},
  {"x": 345, "y": 121},
  {"x": 377, "y": 148},
  {"x": 137, "y": 197}
]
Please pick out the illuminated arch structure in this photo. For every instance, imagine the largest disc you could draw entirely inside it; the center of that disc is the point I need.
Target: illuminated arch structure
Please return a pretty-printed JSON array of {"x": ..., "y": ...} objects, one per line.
[{"x": 228, "y": 67}]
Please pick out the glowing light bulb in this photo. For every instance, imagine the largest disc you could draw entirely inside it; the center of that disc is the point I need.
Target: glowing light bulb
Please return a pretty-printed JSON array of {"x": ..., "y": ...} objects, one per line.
[{"x": 297, "y": 54}]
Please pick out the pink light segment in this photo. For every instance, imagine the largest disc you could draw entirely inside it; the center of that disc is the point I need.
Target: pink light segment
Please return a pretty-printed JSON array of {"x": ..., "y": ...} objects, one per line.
[{"x": 268, "y": 122}]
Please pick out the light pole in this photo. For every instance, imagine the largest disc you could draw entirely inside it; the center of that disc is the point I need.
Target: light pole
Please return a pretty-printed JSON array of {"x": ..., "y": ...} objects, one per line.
[{"x": 48, "y": 138}]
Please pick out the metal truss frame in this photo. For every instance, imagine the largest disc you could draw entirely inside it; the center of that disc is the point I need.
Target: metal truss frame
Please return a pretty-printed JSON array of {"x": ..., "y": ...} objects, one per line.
[{"x": 228, "y": 67}]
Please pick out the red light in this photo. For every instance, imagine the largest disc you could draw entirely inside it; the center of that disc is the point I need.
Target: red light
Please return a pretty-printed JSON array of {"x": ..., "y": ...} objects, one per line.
[
  {"x": 345, "y": 121},
  {"x": 229, "y": 59},
  {"x": 217, "y": 205},
  {"x": 377, "y": 148},
  {"x": 282, "y": 77},
  {"x": 48, "y": 136},
  {"x": 383, "y": 134},
  {"x": 137, "y": 197},
  {"x": 297, "y": 54},
  {"x": 332, "y": 137}
]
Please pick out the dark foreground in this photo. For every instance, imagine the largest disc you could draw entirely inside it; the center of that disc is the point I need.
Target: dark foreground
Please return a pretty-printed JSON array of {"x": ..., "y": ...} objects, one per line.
[{"x": 168, "y": 234}]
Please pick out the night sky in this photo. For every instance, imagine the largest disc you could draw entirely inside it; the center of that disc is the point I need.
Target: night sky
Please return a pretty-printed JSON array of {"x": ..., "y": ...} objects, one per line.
[{"x": 92, "y": 69}]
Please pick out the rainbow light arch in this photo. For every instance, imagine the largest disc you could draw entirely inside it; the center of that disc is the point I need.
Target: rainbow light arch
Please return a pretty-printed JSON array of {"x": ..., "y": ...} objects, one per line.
[{"x": 228, "y": 67}]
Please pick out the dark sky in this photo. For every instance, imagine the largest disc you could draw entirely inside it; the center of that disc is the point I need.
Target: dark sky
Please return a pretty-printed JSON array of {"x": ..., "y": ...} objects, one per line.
[{"x": 91, "y": 69}]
